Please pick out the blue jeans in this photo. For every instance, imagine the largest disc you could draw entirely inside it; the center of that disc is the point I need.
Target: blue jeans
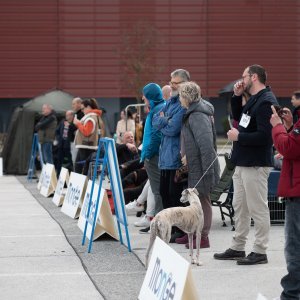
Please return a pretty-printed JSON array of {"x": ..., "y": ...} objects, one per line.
[
  {"x": 291, "y": 281},
  {"x": 47, "y": 152}
]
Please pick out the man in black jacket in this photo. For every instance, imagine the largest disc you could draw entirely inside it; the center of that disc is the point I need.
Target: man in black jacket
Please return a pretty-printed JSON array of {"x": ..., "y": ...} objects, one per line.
[
  {"x": 252, "y": 155},
  {"x": 46, "y": 132}
]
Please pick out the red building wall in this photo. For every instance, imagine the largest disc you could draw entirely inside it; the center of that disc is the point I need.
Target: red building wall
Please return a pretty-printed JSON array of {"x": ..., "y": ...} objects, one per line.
[{"x": 77, "y": 45}]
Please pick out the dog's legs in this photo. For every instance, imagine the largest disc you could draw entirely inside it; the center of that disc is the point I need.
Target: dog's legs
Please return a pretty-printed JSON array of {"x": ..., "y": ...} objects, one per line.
[
  {"x": 198, "y": 239},
  {"x": 151, "y": 241},
  {"x": 190, "y": 236},
  {"x": 168, "y": 234}
]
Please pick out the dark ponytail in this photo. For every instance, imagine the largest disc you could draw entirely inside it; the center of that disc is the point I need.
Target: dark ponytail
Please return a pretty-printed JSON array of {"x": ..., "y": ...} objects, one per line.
[{"x": 92, "y": 102}]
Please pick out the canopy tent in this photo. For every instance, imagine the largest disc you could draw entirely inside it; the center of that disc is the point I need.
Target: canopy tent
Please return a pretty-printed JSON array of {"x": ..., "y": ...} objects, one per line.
[{"x": 17, "y": 147}]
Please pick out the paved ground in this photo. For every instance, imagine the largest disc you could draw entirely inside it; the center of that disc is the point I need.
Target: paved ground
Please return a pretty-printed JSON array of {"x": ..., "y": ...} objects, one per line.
[{"x": 38, "y": 247}]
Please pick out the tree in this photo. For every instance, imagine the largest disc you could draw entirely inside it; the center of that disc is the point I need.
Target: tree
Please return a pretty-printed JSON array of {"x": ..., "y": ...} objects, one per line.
[{"x": 139, "y": 43}]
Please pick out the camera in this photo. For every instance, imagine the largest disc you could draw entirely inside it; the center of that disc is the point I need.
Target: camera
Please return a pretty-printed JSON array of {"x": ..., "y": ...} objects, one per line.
[{"x": 280, "y": 111}]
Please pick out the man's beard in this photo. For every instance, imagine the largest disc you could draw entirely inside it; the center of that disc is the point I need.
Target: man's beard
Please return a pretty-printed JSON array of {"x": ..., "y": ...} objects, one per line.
[
  {"x": 248, "y": 87},
  {"x": 174, "y": 93}
]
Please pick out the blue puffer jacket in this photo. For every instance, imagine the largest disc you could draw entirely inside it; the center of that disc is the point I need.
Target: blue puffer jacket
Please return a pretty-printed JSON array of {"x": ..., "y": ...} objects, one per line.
[
  {"x": 152, "y": 136},
  {"x": 170, "y": 127}
]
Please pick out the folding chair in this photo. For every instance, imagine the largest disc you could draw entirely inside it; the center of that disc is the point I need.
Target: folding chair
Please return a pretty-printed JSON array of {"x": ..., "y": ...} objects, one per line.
[{"x": 225, "y": 186}]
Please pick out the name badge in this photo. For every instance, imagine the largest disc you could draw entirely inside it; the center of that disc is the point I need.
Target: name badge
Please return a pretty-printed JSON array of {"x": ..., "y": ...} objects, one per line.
[{"x": 245, "y": 120}]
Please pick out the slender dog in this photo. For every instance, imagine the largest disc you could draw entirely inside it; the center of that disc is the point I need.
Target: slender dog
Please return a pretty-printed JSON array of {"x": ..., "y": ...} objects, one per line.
[{"x": 189, "y": 219}]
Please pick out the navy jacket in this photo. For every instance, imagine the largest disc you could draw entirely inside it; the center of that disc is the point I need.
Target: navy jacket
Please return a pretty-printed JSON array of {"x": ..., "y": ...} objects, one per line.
[{"x": 254, "y": 145}]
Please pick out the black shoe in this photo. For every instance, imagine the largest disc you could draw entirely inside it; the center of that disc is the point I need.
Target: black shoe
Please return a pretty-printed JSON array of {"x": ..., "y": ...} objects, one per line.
[
  {"x": 139, "y": 214},
  {"x": 230, "y": 254},
  {"x": 145, "y": 230},
  {"x": 253, "y": 259},
  {"x": 175, "y": 235}
]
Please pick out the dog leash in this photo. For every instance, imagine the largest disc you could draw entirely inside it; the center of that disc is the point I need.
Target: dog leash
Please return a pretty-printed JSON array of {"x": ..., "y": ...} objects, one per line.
[{"x": 211, "y": 163}]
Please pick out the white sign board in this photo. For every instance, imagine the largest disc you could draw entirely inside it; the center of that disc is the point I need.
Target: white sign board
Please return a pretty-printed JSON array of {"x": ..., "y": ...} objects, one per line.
[
  {"x": 104, "y": 220},
  {"x": 59, "y": 194},
  {"x": 168, "y": 275},
  {"x": 115, "y": 179},
  {"x": 49, "y": 182},
  {"x": 74, "y": 195},
  {"x": 39, "y": 185}
]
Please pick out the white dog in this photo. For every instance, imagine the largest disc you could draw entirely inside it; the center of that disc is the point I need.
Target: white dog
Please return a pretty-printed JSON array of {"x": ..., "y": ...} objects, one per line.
[{"x": 189, "y": 219}]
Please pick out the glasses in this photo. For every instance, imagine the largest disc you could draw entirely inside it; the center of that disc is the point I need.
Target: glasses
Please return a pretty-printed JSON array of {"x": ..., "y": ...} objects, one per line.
[
  {"x": 243, "y": 77},
  {"x": 175, "y": 83}
]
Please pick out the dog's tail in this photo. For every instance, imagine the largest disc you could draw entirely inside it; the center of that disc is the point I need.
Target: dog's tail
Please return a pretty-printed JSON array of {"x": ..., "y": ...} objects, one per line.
[{"x": 153, "y": 233}]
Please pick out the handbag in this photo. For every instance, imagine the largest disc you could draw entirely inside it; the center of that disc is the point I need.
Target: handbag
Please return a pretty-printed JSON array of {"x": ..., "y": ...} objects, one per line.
[{"x": 181, "y": 174}]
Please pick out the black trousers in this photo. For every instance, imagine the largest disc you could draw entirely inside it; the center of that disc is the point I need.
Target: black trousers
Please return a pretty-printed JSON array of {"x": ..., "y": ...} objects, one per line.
[
  {"x": 81, "y": 157},
  {"x": 169, "y": 190}
]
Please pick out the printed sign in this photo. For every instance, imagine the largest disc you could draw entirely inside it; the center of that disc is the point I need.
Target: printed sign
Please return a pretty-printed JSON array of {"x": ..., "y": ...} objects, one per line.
[
  {"x": 115, "y": 179},
  {"x": 39, "y": 185},
  {"x": 104, "y": 219},
  {"x": 74, "y": 195},
  {"x": 59, "y": 194},
  {"x": 168, "y": 276},
  {"x": 49, "y": 182}
]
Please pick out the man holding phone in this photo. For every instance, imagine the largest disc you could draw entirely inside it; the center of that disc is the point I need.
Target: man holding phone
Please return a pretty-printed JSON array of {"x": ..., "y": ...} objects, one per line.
[
  {"x": 286, "y": 139},
  {"x": 252, "y": 155}
]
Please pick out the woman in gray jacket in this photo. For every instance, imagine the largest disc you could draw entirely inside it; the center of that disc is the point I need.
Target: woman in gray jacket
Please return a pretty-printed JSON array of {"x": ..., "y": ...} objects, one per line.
[{"x": 199, "y": 144}]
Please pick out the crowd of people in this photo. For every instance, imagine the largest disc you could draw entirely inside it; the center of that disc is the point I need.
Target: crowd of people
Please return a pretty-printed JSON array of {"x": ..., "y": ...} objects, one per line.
[{"x": 179, "y": 131}]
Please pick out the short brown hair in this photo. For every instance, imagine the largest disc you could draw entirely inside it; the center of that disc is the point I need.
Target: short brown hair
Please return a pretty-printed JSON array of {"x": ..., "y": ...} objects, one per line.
[{"x": 259, "y": 71}]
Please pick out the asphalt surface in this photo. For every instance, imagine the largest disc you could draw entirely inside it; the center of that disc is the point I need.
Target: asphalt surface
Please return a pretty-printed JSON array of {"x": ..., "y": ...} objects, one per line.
[{"x": 41, "y": 256}]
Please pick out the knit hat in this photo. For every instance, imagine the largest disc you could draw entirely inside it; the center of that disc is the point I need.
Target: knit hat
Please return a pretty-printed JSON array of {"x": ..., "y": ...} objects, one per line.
[{"x": 153, "y": 92}]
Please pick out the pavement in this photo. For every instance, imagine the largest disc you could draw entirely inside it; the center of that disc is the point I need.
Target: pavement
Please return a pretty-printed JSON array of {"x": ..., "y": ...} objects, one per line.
[{"x": 41, "y": 256}]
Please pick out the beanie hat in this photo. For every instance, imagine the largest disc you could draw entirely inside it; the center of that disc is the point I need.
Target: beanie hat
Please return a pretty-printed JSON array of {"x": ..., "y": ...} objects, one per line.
[{"x": 153, "y": 92}]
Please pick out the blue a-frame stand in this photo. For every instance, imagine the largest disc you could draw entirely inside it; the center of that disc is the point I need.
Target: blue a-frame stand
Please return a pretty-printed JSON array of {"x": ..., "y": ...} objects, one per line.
[
  {"x": 36, "y": 147},
  {"x": 110, "y": 163}
]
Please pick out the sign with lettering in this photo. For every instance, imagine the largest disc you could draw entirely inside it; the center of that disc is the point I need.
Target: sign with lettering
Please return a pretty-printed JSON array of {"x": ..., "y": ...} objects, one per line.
[
  {"x": 59, "y": 194},
  {"x": 168, "y": 276},
  {"x": 49, "y": 181},
  {"x": 104, "y": 218},
  {"x": 39, "y": 185},
  {"x": 74, "y": 195}
]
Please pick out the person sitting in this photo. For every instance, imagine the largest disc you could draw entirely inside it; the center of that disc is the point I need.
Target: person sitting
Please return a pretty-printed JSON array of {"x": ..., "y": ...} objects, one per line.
[{"x": 127, "y": 150}]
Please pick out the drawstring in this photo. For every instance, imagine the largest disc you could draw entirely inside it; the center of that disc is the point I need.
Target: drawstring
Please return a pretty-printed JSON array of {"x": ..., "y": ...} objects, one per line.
[{"x": 211, "y": 164}]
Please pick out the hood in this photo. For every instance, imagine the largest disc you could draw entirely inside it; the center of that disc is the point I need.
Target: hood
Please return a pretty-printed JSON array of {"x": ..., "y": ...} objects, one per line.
[
  {"x": 153, "y": 93},
  {"x": 202, "y": 106}
]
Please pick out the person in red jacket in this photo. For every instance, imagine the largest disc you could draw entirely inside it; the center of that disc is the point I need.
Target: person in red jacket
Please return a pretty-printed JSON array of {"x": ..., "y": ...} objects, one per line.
[{"x": 286, "y": 140}]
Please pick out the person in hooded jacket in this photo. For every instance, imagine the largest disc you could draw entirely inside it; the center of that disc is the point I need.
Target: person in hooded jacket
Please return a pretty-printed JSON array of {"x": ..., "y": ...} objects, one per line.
[
  {"x": 199, "y": 142},
  {"x": 87, "y": 135},
  {"x": 153, "y": 97}
]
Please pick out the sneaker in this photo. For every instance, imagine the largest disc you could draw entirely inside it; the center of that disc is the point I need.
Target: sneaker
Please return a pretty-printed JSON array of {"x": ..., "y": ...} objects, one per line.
[
  {"x": 145, "y": 230},
  {"x": 253, "y": 259},
  {"x": 133, "y": 207},
  {"x": 204, "y": 243},
  {"x": 143, "y": 222},
  {"x": 230, "y": 254}
]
